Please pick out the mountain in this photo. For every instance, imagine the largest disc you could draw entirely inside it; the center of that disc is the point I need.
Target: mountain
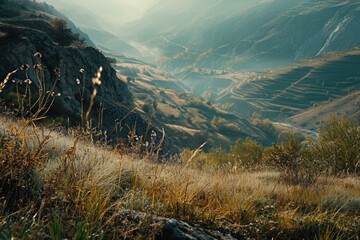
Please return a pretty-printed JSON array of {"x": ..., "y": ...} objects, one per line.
[
  {"x": 54, "y": 12},
  {"x": 169, "y": 25},
  {"x": 247, "y": 34}
]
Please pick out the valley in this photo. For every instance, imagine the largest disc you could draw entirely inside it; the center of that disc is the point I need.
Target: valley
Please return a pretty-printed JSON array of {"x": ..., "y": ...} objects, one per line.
[{"x": 180, "y": 119}]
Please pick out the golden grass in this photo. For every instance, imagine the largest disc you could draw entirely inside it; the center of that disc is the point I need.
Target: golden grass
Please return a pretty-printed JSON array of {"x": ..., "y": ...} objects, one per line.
[
  {"x": 97, "y": 183},
  {"x": 179, "y": 128},
  {"x": 168, "y": 111}
]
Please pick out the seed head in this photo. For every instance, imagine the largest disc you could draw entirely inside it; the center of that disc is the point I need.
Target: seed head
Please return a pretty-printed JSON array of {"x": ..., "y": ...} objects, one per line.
[
  {"x": 57, "y": 72},
  {"x": 96, "y": 79},
  {"x": 38, "y": 66},
  {"x": 37, "y": 54},
  {"x": 28, "y": 81},
  {"x": 24, "y": 67}
]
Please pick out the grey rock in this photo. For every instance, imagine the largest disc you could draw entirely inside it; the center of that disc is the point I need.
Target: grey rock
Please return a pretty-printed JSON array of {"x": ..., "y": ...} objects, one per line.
[{"x": 169, "y": 228}]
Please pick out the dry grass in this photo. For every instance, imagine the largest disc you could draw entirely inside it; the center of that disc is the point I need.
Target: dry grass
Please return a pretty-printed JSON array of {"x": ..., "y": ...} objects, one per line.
[
  {"x": 183, "y": 129},
  {"x": 169, "y": 111},
  {"x": 95, "y": 183}
]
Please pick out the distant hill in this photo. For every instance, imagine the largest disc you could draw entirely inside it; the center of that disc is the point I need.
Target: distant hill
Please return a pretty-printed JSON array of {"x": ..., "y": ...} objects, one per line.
[
  {"x": 290, "y": 90},
  {"x": 313, "y": 118},
  {"x": 109, "y": 41},
  {"x": 103, "y": 15},
  {"x": 247, "y": 34}
]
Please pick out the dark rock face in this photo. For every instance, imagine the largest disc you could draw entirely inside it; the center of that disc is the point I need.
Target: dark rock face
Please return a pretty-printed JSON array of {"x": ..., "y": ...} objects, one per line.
[{"x": 24, "y": 30}]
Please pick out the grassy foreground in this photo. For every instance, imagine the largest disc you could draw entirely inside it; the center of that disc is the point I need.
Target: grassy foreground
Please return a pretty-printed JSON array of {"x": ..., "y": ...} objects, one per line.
[{"x": 57, "y": 186}]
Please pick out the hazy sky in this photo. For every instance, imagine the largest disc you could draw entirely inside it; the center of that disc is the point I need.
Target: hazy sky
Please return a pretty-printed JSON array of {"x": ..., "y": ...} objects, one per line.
[{"x": 140, "y": 5}]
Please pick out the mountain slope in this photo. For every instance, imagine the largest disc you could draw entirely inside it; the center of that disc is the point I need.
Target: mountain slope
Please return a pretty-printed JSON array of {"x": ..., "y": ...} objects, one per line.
[
  {"x": 109, "y": 41},
  {"x": 26, "y": 28},
  {"x": 348, "y": 105},
  {"x": 290, "y": 90},
  {"x": 189, "y": 121},
  {"x": 259, "y": 35},
  {"x": 105, "y": 15}
]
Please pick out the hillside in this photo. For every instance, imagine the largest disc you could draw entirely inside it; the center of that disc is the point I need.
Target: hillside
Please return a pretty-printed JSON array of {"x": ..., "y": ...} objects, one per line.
[
  {"x": 287, "y": 91},
  {"x": 27, "y": 28},
  {"x": 190, "y": 121},
  {"x": 348, "y": 105},
  {"x": 248, "y": 35}
]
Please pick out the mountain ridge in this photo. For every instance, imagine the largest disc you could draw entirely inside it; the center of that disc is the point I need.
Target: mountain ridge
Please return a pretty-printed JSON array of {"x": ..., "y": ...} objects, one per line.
[{"x": 265, "y": 35}]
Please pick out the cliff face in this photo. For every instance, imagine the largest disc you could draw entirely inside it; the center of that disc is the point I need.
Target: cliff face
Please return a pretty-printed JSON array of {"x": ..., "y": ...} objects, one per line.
[{"x": 26, "y": 29}]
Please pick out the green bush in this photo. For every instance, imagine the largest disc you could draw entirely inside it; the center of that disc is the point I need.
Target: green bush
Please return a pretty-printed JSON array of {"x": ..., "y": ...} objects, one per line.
[
  {"x": 267, "y": 127},
  {"x": 247, "y": 152},
  {"x": 294, "y": 161},
  {"x": 338, "y": 147}
]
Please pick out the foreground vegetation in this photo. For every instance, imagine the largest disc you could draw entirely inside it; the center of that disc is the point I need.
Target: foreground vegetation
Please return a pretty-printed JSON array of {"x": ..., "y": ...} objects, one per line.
[
  {"x": 62, "y": 184},
  {"x": 59, "y": 188}
]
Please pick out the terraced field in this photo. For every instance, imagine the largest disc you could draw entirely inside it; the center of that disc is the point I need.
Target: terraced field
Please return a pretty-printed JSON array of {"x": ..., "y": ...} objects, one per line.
[{"x": 289, "y": 91}]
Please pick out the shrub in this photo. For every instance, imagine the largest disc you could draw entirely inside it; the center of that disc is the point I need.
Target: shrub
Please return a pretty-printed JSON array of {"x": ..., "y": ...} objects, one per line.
[
  {"x": 147, "y": 106},
  {"x": 267, "y": 127},
  {"x": 247, "y": 152},
  {"x": 338, "y": 146},
  {"x": 223, "y": 125},
  {"x": 218, "y": 156},
  {"x": 129, "y": 79},
  {"x": 295, "y": 163},
  {"x": 111, "y": 60},
  {"x": 61, "y": 33},
  {"x": 193, "y": 158}
]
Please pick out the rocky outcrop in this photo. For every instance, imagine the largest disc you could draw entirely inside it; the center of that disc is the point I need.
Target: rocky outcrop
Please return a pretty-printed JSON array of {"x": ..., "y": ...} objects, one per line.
[{"x": 25, "y": 29}]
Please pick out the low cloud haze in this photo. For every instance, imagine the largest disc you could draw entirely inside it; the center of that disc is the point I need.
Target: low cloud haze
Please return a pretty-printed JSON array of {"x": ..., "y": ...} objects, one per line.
[{"x": 115, "y": 12}]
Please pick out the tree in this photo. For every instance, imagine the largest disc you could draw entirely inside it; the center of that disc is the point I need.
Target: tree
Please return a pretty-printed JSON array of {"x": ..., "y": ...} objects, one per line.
[{"x": 61, "y": 33}]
